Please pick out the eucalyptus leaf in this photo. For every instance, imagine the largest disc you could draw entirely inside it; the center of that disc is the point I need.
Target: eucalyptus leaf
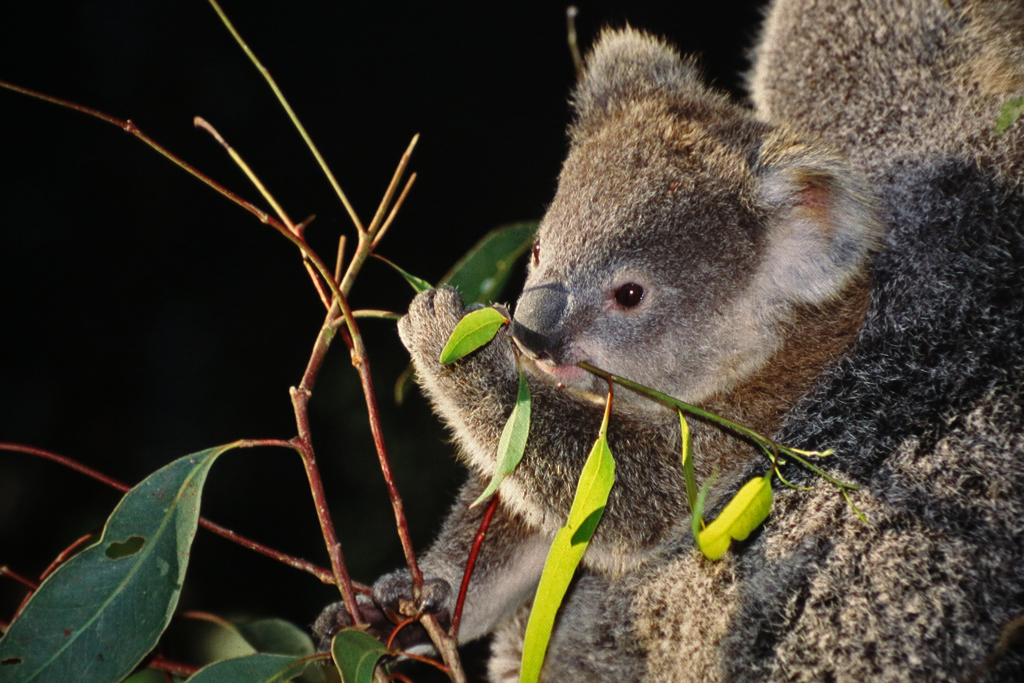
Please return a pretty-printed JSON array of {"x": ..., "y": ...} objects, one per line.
[
  {"x": 566, "y": 551},
  {"x": 102, "y": 611},
  {"x": 483, "y": 272},
  {"x": 1010, "y": 112},
  {"x": 474, "y": 330},
  {"x": 744, "y": 513},
  {"x": 417, "y": 283},
  {"x": 688, "y": 474},
  {"x": 259, "y": 668},
  {"x": 512, "y": 443},
  {"x": 356, "y": 654}
]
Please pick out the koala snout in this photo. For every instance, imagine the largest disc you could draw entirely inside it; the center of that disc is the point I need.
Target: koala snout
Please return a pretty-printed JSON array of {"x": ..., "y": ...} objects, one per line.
[{"x": 538, "y": 323}]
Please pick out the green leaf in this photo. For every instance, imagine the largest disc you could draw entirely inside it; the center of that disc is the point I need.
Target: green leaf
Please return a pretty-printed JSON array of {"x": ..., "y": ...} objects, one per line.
[
  {"x": 512, "y": 443},
  {"x": 473, "y": 331},
  {"x": 277, "y": 636},
  {"x": 482, "y": 273},
  {"x": 104, "y": 609},
  {"x": 1010, "y": 112},
  {"x": 260, "y": 668},
  {"x": 418, "y": 284},
  {"x": 744, "y": 513},
  {"x": 356, "y": 654},
  {"x": 567, "y": 550},
  {"x": 688, "y": 475}
]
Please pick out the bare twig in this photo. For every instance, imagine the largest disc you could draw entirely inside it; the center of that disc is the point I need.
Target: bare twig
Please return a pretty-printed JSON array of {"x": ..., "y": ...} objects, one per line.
[{"x": 295, "y": 562}]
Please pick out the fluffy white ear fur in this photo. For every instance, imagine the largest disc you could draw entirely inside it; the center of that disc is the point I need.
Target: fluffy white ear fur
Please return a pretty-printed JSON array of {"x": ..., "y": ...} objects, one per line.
[{"x": 825, "y": 225}]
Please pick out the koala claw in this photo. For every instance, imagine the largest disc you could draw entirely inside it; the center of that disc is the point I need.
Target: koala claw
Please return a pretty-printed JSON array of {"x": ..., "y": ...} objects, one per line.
[
  {"x": 392, "y": 603},
  {"x": 394, "y": 593}
]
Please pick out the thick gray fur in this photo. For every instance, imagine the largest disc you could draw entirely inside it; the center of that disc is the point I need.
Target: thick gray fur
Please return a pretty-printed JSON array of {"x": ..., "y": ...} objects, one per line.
[{"x": 843, "y": 267}]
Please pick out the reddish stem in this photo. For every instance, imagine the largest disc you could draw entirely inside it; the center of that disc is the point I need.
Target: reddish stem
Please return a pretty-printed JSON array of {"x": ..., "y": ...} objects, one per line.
[
  {"x": 63, "y": 556},
  {"x": 470, "y": 563},
  {"x": 161, "y": 663},
  {"x": 303, "y": 565},
  {"x": 28, "y": 583}
]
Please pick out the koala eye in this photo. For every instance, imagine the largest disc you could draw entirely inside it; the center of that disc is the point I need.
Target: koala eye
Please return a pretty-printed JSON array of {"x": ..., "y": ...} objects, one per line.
[
  {"x": 629, "y": 295},
  {"x": 536, "y": 253}
]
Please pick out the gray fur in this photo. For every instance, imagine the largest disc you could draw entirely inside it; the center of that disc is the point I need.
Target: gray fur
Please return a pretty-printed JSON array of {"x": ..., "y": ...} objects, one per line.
[{"x": 755, "y": 239}]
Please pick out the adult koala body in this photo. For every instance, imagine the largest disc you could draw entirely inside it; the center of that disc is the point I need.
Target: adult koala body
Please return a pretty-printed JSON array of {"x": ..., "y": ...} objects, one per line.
[{"x": 727, "y": 257}]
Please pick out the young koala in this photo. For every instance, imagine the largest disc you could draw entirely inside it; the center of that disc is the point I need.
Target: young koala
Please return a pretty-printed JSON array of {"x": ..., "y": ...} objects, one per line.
[{"x": 842, "y": 268}]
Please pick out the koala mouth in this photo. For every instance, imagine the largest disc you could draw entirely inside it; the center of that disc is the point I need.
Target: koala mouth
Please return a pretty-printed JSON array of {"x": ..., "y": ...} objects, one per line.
[{"x": 563, "y": 373}]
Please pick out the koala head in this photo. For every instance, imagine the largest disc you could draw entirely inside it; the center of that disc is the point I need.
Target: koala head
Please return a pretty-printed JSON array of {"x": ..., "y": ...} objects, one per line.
[{"x": 684, "y": 232}]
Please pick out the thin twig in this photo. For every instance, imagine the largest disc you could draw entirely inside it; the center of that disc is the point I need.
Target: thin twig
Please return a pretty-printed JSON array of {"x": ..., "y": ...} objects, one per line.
[
  {"x": 295, "y": 562},
  {"x": 63, "y": 556},
  {"x": 291, "y": 115},
  {"x": 396, "y": 178},
  {"x": 394, "y": 211},
  {"x": 28, "y": 583}
]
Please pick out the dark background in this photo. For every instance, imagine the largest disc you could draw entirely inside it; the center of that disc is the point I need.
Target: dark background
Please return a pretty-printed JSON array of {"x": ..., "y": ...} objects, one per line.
[{"x": 144, "y": 317}]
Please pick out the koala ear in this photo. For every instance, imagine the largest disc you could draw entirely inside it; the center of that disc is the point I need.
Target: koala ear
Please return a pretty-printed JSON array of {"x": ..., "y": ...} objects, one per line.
[
  {"x": 627, "y": 66},
  {"x": 825, "y": 224}
]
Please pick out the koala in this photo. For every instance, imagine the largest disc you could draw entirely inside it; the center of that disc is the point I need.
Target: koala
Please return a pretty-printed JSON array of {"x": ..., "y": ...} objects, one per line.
[{"x": 840, "y": 266}]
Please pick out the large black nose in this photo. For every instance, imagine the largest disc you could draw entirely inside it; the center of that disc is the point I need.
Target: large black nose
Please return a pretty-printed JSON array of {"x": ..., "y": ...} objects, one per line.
[{"x": 538, "y": 323}]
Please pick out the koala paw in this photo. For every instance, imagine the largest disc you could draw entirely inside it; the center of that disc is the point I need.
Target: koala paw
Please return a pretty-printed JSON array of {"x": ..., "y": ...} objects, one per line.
[
  {"x": 392, "y": 603},
  {"x": 432, "y": 317}
]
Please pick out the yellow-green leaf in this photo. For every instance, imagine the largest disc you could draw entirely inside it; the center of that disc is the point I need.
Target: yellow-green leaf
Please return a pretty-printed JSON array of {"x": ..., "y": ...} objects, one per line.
[
  {"x": 567, "y": 550},
  {"x": 473, "y": 331},
  {"x": 744, "y": 513},
  {"x": 512, "y": 443},
  {"x": 1010, "y": 112},
  {"x": 688, "y": 475}
]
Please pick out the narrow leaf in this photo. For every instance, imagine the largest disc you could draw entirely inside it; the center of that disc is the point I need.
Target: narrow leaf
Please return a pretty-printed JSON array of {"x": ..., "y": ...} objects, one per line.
[
  {"x": 1010, "y": 112},
  {"x": 482, "y": 273},
  {"x": 101, "y": 612},
  {"x": 744, "y": 513},
  {"x": 567, "y": 550},
  {"x": 418, "y": 284},
  {"x": 473, "y": 331},
  {"x": 356, "y": 654},
  {"x": 512, "y": 443},
  {"x": 260, "y": 668},
  {"x": 688, "y": 475}
]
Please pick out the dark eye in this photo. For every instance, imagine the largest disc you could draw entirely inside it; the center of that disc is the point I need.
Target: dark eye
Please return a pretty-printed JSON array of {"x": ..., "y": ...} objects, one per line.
[
  {"x": 536, "y": 253},
  {"x": 629, "y": 295}
]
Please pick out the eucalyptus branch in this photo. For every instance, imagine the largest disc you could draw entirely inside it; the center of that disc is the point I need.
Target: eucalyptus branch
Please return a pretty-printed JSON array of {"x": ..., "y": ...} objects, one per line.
[
  {"x": 295, "y": 562},
  {"x": 769, "y": 445},
  {"x": 291, "y": 115}
]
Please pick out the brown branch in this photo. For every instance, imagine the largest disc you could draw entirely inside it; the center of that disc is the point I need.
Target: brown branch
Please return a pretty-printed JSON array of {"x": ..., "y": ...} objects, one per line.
[
  {"x": 161, "y": 663},
  {"x": 295, "y": 562},
  {"x": 28, "y": 583},
  {"x": 470, "y": 563}
]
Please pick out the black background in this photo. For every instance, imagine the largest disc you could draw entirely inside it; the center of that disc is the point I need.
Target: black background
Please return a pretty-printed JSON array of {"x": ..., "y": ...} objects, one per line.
[{"x": 144, "y": 317}]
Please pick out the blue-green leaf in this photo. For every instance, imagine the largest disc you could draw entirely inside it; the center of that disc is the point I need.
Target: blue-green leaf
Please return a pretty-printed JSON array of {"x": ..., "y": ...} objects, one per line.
[
  {"x": 482, "y": 273},
  {"x": 512, "y": 443},
  {"x": 356, "y": 654},
  {"x": 101, "y": 612},
  {"x": 259, "y": 668}
]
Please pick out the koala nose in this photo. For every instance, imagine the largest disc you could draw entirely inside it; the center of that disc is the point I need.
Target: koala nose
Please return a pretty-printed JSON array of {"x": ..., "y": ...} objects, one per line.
[{"x": 538, "y": 320}]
